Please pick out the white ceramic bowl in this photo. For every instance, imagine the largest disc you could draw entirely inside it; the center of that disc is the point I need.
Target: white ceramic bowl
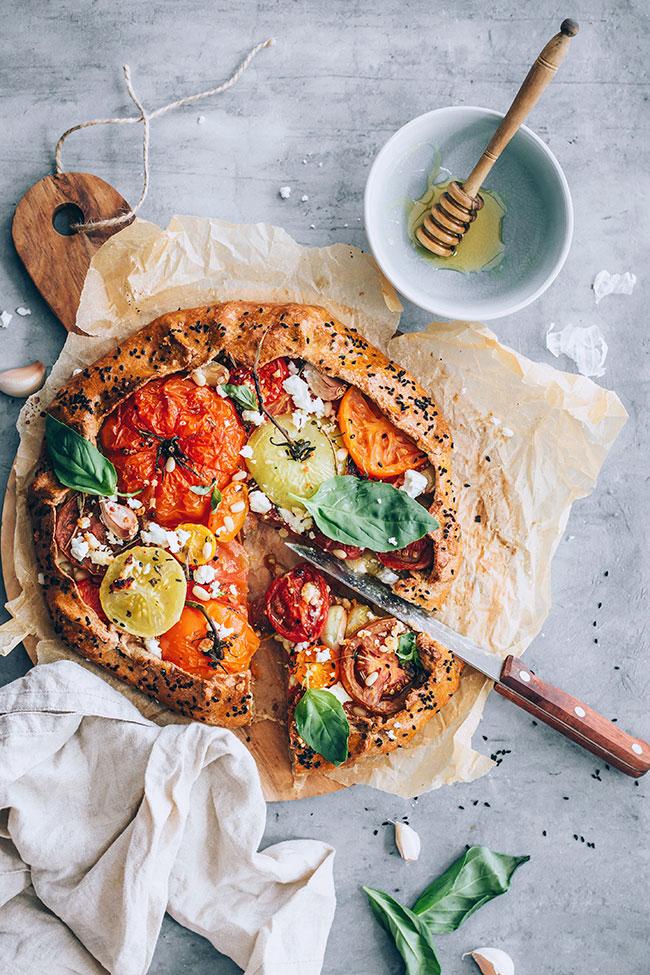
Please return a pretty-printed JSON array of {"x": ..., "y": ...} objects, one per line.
[{"x": 537, "y": 227}]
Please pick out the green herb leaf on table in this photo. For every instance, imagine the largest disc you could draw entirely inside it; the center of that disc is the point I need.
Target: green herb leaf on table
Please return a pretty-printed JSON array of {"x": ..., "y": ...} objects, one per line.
[
  {"x": 407, "y": 649},
  {"x": 471, "y": 881},
  {"x": 321, "y": 722},
  {"x": 413, "y": 939},
  {"x": 243, "y": 395},
  {"x": 370, "y": 514},
  {"x": 78, "y": 464}
]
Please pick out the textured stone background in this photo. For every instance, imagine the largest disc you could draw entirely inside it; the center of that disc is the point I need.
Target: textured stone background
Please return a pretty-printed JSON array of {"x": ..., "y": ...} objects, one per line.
[{"x": 343, "y": 76}]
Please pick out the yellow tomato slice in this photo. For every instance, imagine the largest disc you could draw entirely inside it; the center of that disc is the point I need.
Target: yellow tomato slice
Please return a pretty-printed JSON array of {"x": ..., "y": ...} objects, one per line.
[
  {"x": 143, "y": 591},
  {"x": 199, "y": 547},
  {"x": 230, "y": 514},
  {"x": 311, "y": 670}
]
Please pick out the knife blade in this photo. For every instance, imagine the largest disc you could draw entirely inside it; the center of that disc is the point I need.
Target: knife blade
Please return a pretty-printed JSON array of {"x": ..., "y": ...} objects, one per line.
[{"x": 512, "y": 680}]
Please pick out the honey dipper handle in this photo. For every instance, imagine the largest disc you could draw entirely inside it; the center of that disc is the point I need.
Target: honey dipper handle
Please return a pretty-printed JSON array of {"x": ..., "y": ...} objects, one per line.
[{"x": 534, "y": 84}]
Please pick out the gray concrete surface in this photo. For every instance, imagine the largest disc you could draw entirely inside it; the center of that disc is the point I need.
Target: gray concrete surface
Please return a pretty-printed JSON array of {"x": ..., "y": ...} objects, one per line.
[{"x": 343, "y": 76}]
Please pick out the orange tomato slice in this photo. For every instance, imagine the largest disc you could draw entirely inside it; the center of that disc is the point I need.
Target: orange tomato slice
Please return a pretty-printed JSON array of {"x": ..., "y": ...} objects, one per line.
[
  {"x": 375, "y": 444},
  {"x": 311, "y": 672},
  {"x": 230, "y": 514},
  {"x": 183, "y": 644}
]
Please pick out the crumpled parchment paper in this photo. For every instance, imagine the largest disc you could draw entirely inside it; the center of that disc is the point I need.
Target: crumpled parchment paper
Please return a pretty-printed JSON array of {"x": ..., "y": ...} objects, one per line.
[{"x": 528, "y": 439}]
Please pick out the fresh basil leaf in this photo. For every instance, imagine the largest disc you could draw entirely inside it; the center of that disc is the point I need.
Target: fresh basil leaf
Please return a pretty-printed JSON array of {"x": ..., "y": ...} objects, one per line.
[
  {"x": 407, "y": 649},
  {"x": 370, "y": 514},
  {"x": 202, "y": 489},
  {"x": 78, "y": 464},
  {"x": 474, "y": 879},
  {"x": 321, "y": 721},
  {"x": 243, "y": 395},
  {"x": 215, "y": 500},
  {"x": 413, "y": 939}
]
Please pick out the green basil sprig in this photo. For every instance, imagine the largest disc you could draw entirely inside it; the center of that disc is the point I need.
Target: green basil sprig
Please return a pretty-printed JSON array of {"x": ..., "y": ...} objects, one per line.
[
  {"x": 412, "y": 938},
  {"x": 78, "y": 464},
  {"x": 369, "y": 514},
  {"x": 203, "y": 489},
  {"x": 475, "y": 878},
  {"x": 407, "y": 649},
  {"x": 471, "y": 881},
  {"x": 243, "y": 395},
  {"x": 321, "y": 721}
]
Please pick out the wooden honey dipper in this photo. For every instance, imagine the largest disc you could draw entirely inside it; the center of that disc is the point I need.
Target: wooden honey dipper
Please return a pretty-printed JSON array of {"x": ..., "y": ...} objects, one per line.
[{"x": 445, "y": 225}]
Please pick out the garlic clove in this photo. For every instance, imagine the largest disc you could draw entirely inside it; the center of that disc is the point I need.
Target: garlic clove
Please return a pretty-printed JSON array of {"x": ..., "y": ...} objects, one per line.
[
  {"x": 215, "y": 373},
  {"x": 119, "y": 519},
  {"x": 407, "y": 842},
  {"x": 492, "y": 961},
  {"x": 23, "y": 381},
  {"x": 321, "y": 385}
]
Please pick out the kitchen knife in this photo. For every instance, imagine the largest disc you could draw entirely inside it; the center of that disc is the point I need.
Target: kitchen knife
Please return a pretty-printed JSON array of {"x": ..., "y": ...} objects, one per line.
[{"x": 512, "y": 679}]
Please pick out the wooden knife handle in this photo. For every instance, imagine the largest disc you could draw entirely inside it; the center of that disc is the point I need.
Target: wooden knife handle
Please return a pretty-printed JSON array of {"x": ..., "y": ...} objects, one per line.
[{"x": 573, "y": 719}]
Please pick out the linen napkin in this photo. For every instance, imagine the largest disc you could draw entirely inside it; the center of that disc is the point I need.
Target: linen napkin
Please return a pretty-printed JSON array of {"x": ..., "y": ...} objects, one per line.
[{"x": 109, "y": 820}]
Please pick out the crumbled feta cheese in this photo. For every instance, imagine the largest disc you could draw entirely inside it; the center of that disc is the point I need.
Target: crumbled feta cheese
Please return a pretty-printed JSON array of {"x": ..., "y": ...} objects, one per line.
[
  {"x": 390, "y": 734},
  {"x": 323, "y": 654},
  {"x": 339, "y": 692},
  {"x": 134, "y": 503},
  {"x": 397, "y": 724},
  {"x": 152, "y": 645},
  {"x": 246, "y": 451},
  {"x": 292, "y": 367},
  {"x": 304, "y": 198},
  {"x": 253, "y": 416},
  {"x": 392, "y": 541},
  {"x": 22, "y": 311},
  {"x": 299, "y": 418},
  {"x": 79, "y": 548},
  {"x": 205, "y": 573},
  {"x": 301, "y": 396},
  {"x": 285, "y": 192},
  {"x": 297, "y": 520},
  {"x": 415, "y": 483},
  {"x": 112, "y": 538},
  {"x": 387, "y": 576},
  {"x": 41, "y": 579},
  {"x": 259, "y": 503},
  {"x": 5, "y": 318},
  {"x": 75, "y": 372},
  {"x": 155, "y": 534},
  {"x": 83, "y": 522},
  {"x": 223, "y": 632},
  {"x": 310, "y": 593}
]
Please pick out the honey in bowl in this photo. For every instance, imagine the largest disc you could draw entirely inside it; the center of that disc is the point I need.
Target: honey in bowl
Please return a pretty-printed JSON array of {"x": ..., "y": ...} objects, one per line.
[{"x": 482, "y": 247}]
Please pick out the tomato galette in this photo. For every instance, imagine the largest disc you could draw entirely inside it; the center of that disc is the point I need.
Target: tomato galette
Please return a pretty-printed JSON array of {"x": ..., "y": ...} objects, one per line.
[{"x": 212, "y": 426}]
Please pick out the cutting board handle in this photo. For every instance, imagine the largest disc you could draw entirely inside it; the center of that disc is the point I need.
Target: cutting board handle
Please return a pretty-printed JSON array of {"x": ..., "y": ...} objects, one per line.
[
  {"x": 58, "y": 262},
  {"x": 573, "y": 719}
]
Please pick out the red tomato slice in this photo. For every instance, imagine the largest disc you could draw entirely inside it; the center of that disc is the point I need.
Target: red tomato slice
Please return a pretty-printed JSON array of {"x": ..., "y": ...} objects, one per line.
[
  {"x": 174, "y": 417},
  {"x": 416, "y": 556},
  {"x": 351, "y": 551},
  {"x": 271, "y": 377},
  {"x": 89, "y": 592},
  {"x": 297, "y": 604}
]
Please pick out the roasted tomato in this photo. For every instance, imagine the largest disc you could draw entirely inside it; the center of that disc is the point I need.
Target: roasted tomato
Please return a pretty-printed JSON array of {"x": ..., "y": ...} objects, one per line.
[
  {"x": 89, "y": 592},
  {"x": 297, "y": 604},
  {"x": 371, "y": 672},
  {"x": 192, "y": 645},
  {"x": 227, "y": 519},
  {"x": 316, "y": 667},
  {"x": 231, "y": 564},
  {"x": 271, "y": 377},
  {"x": 174, "y": 418},
  {"x": 351, "y": 551},
  {"x": 416, "y": 556},
  {"x": 375, "y": 444}
]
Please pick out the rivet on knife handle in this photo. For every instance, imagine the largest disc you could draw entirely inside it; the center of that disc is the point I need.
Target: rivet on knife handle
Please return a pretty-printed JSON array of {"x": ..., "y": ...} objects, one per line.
[{"x": 573, "y": 719}]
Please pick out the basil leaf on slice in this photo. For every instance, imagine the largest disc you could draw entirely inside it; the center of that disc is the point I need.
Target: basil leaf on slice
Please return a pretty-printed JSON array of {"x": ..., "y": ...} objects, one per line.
[
  {"x": 407, "y": 649},
  {"x": 475, "y": 878},
  {"x": 78, "y": 464},
  {"x": 202, "y": 489},
  {"x": 413, "y": 939},
  {"x": 369, "y": 514},
  {"x": 321, "y": 721},
  {"x": 243, "y": 395},
  {"x": 215, "y": 500}
]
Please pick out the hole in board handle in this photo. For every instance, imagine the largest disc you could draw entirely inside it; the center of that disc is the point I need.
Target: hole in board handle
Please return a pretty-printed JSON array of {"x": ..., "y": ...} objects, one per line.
[{"x": 64, "y": 217}]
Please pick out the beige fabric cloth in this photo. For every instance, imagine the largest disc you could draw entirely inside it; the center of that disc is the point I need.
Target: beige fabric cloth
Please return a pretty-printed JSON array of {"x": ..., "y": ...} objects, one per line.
[{"x": 108, "y": 820}]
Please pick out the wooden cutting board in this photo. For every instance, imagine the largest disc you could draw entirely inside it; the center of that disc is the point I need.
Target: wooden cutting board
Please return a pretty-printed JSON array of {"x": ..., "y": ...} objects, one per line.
[{"x": 58, "y": 263}]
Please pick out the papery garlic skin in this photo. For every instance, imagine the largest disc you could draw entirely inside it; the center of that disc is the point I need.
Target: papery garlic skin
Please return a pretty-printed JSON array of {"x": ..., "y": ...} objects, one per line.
[
  {"x": 492, "y": 961},
  {"x": 407, "y": 842},
  {"x": 22, "y": 381}
]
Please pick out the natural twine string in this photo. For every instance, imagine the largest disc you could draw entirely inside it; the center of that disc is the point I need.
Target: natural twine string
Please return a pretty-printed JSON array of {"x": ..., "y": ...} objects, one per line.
[{"x": 145, "y": 117}]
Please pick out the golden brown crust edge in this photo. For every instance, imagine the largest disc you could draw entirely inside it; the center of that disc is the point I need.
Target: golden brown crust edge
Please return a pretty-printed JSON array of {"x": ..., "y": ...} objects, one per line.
[{"x": 182, "y": 341}]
